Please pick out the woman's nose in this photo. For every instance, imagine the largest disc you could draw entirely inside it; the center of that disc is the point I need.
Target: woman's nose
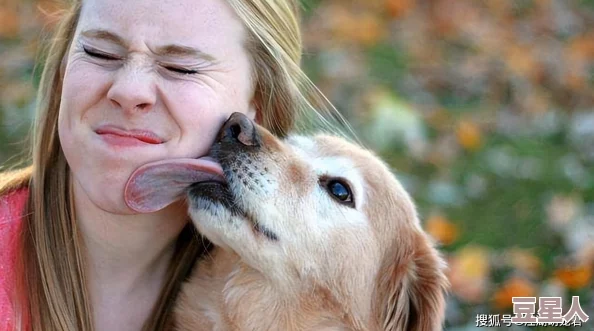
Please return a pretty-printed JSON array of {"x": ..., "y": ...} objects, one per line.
[{"x": 133, "y": 90}]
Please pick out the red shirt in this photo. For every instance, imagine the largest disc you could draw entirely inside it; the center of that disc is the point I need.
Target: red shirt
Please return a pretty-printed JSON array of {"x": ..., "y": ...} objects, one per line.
[{"x": 11, "y": 208}]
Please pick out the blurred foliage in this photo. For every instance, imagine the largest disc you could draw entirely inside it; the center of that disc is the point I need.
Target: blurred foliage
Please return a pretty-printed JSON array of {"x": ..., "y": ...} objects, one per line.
[{"x": 485, "y": 110}]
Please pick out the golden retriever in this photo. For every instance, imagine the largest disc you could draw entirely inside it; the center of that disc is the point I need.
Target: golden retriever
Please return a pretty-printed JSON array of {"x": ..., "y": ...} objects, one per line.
[{"x": 310, "y": 233}]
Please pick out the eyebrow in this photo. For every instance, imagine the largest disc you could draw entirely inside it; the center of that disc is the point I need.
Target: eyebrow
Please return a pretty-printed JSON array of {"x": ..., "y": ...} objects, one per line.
[
  {"x": 105, "y": 35},
  {"x": 171, "y": 50},
  {"x": 183, "y": 51}
]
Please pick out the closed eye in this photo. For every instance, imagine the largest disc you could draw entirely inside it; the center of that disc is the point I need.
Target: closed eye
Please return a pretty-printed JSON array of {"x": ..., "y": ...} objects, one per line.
[
  {"x": 110, "y": 57},
  {"x": 181, "y": 70},
  {"x": 100, "y": 55}
]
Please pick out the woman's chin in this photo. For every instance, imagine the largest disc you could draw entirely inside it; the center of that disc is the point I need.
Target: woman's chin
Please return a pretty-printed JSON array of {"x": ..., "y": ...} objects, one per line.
[{"x": 95, "y": 196}]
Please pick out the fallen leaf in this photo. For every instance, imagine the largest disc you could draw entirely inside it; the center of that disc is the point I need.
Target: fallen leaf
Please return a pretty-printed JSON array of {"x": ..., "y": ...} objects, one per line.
[
  {"x": 442, "y": 229},
  {"x": 574, "y": 276},
  {"x": 513, "y": 287},
  {"x": 469, "y": 273},
  {"x": 469, "y": 135}
]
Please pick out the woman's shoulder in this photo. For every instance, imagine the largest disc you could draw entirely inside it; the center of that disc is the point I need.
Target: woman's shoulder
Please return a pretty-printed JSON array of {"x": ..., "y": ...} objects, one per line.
[
  {"x": 12, "y": 205},
  {"x": 13, "y": 195}
]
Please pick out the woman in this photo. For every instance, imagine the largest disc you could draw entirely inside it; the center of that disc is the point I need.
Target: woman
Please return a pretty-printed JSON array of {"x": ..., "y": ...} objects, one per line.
[{"x": 126, "y": 83}]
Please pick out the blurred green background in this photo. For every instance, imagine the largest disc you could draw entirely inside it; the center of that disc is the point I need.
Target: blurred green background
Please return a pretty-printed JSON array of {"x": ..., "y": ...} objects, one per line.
[{"x": 485, "y": 110}]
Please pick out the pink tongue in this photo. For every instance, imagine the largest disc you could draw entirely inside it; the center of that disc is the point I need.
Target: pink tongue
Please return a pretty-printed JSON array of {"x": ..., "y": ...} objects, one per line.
[{"x": 156, "y": 185}]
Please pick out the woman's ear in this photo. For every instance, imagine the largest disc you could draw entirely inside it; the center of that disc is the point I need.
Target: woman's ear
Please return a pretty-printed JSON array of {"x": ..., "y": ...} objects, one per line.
[{"x": 411, "y": 295}]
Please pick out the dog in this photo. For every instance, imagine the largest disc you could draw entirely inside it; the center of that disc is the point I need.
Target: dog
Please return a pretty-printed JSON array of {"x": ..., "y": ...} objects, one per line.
[{"x": 309, "y": 233}]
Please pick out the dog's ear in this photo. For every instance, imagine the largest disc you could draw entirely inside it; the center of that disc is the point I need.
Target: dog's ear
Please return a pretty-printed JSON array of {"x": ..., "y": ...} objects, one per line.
[{"x": 410, "y": 294}]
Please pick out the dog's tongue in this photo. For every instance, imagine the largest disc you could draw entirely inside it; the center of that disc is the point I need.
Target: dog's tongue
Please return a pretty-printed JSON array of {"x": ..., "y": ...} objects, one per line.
[{"x": 156, "y": 185}]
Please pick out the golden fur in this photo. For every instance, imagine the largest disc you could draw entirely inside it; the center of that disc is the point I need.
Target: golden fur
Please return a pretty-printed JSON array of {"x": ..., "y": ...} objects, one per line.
[{"x": 332, "y": 267}]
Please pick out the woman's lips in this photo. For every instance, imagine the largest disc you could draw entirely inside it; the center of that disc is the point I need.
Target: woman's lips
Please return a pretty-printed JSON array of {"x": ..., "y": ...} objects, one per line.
[{"x": 119, "y": 136}]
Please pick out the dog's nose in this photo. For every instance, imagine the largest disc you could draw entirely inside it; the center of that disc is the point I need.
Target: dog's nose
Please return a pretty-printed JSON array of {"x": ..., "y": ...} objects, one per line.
[{"x": 239, "y": 128}]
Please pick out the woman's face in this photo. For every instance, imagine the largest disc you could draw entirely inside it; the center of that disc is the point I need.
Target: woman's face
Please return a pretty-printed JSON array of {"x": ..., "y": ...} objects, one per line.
[{"x": 145, "y": 81}]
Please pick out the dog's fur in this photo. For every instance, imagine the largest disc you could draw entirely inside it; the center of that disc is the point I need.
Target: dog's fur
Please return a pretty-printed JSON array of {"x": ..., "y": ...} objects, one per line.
[{"x": 289, "y": 256}]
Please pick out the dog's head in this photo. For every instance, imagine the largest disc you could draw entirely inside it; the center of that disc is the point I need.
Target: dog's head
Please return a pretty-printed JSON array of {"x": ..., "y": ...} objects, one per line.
[{"x": 319, "y": 213}]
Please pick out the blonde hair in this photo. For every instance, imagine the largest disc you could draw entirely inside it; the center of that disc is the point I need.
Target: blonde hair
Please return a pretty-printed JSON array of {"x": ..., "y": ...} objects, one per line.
[
  {"x": 51, "y": 277},
  {"x": 287, "y": 97}
]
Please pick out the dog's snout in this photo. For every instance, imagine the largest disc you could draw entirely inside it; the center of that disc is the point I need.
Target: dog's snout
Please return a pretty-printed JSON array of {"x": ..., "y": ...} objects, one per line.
[{"x": 239, "y": 128}]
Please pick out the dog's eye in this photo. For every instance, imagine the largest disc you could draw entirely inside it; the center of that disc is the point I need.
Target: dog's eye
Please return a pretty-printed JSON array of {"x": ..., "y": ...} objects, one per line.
[{"x": 340, "y": 191}]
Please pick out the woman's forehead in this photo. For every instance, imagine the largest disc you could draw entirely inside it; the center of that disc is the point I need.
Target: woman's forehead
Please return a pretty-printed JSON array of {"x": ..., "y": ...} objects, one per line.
[{"x": 204, "y": 23}]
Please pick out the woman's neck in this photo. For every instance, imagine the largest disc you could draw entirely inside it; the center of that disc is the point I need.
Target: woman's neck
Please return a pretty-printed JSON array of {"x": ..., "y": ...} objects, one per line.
[{"x": 127, "y": 258}]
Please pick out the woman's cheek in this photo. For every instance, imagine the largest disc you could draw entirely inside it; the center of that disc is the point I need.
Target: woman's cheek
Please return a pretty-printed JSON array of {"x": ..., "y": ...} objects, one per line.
[{"x": 84, "y": 85}]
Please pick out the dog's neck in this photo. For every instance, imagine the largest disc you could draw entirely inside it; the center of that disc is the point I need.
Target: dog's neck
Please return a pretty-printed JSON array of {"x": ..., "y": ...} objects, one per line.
[{"x": 245, "y": 299}]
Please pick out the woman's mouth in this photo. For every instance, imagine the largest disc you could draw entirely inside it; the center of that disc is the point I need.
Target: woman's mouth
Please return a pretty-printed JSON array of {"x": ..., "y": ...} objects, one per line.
[{"x": 118, "y": 136}]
